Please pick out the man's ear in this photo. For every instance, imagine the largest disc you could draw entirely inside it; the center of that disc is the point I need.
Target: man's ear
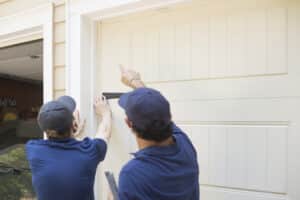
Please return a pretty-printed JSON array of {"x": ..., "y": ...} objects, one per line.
[
  {"x": 74, "y": 126},
  {"x": 128, "y": 122}
]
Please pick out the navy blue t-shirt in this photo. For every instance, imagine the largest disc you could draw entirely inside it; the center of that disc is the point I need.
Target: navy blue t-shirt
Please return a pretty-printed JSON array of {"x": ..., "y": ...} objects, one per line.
[
  {"x": 65, "y": 169},
  {"x": 162, "y": 173}
]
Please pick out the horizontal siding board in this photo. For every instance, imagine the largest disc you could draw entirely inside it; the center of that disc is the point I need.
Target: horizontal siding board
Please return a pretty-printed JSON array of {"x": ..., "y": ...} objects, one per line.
[
  {"x": 59, "y": 93},
  {"x": 241, "y": 156},
  {"x": 59, "y": 13},
  {"x": 59, "y": 32},
  {"x": 59, "y": 58},
  {"x": 59, "y": 78}
]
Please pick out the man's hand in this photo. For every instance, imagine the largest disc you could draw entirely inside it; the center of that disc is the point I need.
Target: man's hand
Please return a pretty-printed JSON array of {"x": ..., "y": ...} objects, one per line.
[
  {"x": 103, "y": 111},
  {"x": 131, "y": 78},
  {"x": 102, "y": 107},
  {"x": 78, "y": 125}
]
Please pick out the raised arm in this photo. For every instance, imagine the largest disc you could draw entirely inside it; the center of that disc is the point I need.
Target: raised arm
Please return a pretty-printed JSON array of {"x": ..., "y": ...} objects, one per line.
[
  {"x": 104, "y": 114},
  {"x": 133, "y": 79}
]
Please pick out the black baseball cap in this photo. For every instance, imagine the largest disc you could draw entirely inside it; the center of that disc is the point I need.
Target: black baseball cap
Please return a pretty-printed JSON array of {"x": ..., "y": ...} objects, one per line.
[
  {"x": 57, "y": 115},
  {"x": 144, "y": 106}
]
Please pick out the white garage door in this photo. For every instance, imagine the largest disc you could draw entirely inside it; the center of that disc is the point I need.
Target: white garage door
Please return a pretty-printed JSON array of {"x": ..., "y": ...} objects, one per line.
[{"x": 231, "y": 71}]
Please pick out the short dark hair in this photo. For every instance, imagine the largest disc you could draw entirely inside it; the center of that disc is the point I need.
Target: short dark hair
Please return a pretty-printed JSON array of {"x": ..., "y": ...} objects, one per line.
[
  {"x": 53, "y": 134},
  {"x": 157, "y": 131}
]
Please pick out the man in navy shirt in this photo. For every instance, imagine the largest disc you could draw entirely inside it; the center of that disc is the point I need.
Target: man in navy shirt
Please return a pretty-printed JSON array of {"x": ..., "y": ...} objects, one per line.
[
  {"x": 64, "y": 168},
  {"x": 165, "y": 167}
]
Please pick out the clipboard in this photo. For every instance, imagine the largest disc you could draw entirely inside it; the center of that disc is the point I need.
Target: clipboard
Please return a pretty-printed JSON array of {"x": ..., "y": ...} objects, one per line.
[{"x": 112, "y": 184}]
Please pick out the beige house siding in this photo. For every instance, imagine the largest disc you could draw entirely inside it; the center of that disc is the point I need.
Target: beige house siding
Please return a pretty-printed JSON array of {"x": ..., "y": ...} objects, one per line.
[
  {"x": 59, "y": 50},
  {"x": 9, "y": 7}
]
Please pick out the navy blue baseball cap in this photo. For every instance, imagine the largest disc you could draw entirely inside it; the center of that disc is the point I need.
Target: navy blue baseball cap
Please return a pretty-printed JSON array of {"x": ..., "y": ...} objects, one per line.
[
  {"x": 68, "y": 101},
  {"x": 144, "y": 106},
  {"x": 57, "y": 115}
]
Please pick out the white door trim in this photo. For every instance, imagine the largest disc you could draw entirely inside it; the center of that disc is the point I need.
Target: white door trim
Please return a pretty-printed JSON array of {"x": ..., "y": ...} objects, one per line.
[{"x": 28, "y": 25}]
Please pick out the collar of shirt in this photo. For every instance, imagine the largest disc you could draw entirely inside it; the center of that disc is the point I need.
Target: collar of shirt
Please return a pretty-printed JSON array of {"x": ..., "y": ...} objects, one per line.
[{"x": 158, "y": 150}]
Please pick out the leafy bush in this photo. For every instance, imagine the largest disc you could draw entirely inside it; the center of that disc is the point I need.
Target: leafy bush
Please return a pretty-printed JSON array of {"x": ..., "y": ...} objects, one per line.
[{"x": 15, "y": 186}]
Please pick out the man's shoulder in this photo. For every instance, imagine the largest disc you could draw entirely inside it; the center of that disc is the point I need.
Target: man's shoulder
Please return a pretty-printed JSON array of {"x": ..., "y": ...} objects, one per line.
[
  {"x": 131, "y": 166},
  {"x": 131, "y": 176},
  {"x": 34, "y": 143}
]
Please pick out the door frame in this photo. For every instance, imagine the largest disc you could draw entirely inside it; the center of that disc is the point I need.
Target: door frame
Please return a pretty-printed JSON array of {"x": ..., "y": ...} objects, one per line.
[{"x": 29, "y": 25}]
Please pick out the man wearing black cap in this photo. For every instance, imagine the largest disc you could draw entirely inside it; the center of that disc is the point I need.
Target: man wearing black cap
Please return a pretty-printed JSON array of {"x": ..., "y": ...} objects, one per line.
[
  {"x": 64, "y": 168},
  {"x": 165, "y": 167}
]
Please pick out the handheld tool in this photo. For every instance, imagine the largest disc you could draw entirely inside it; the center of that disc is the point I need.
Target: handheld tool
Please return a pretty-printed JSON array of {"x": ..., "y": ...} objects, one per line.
[{"x": 112, "y": 95}]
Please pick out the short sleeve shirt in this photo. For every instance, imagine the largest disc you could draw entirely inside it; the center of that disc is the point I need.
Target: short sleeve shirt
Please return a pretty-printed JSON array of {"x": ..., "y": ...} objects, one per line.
[
  {"x": 162, "y": 173},
  {"x": 65, "y": 169}
]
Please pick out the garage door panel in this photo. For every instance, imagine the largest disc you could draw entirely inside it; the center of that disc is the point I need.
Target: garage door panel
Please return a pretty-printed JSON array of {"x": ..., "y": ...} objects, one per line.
[
  {"x": 260, "y": 111},
  {"x": 212, "y": 48},
  {"x": 218, "y": 47},
  {"x": 166, "y": 53},
  {"x": 251, "y": 87},
  {"x": 256, "y": 43},
  {"x": 213, "y": 193},
  {"x": 264, "y": 50},
  {"x": 293, "y": 28},
  {"x": 241, "y": 156},
  {"x": 114, "y": 51},
  {"x": 199, "y": 135},
  {"x": 277, "y": 151},
  {"x": 138, "y": 42},
  {"x": 277, "y": 41},
  {"x": 237, "y": 45},
  {"x": 256, "y": 158},
  {"x": 151, "y": 57},
  {"x": 236, "y": 155},
  {"x": 217, "y": 156},
  {"x": 199, "y": 51},
  {"x": 183, "y": 51}
]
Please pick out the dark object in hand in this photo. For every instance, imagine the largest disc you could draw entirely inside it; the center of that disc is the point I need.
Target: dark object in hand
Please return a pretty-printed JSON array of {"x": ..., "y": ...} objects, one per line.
[
  {"x": 112, "y": 95},
  {"x": 112, "y": 184}
]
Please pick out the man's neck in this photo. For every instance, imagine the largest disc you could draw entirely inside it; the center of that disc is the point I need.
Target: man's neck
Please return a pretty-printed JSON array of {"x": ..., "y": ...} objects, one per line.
[{"x": 142, "y": 144}]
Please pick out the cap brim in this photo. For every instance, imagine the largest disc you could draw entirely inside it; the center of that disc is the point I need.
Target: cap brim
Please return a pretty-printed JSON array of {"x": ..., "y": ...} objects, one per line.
[{"x": 123, "y": 100}]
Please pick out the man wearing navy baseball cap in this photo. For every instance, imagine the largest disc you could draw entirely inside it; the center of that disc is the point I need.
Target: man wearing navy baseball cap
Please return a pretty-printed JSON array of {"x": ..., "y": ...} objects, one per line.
[
  {"x": 63, "y": 168},
  {"x": 165, "y": 167}
]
